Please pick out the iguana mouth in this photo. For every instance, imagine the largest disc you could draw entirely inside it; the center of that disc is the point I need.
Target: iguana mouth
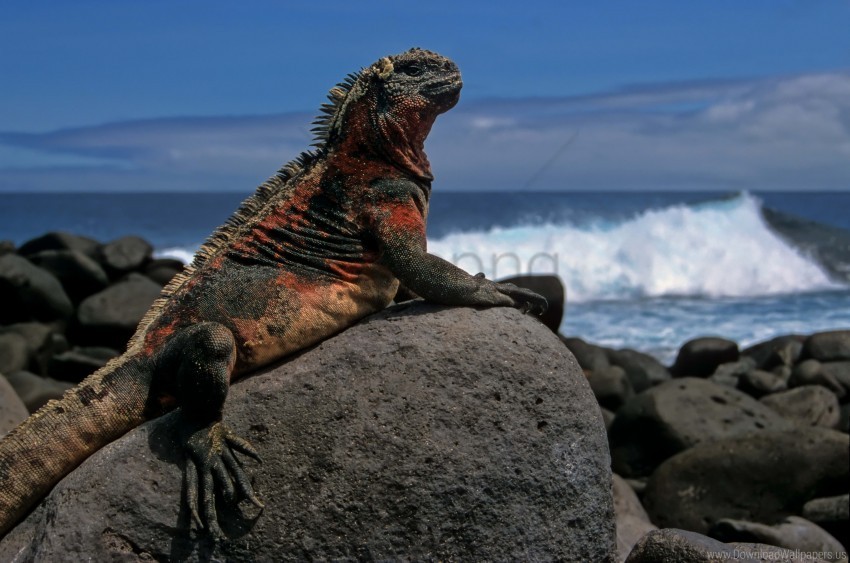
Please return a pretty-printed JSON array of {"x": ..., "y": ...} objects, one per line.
[
  {"x": 445, "y": 91},
  {"x": 444, "y": 86}
]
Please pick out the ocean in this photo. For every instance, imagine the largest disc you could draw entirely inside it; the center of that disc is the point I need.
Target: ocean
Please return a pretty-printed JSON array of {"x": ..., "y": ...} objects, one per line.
[{"x": 646, "y": 271}]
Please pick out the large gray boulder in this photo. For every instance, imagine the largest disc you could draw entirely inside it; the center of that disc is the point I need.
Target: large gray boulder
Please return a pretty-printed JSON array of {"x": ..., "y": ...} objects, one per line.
[
  {"x": 111, "y": 316},
  {"x": 791, "y": 533},
  {"x": 671, "y": 545},
  {"x": 829, "y": 346},
  {"x": 679, "y": 414},
  {"x": 125, "y": 254},
  {"x": 552, "y": 288},
  {"x": 832, "y": 514},
  {"x": 13, "y": 352},
  {"x": 79, "y": 274},
  {"x": 35, "y": 390},
  {"x": 60, "y": 241},
  {"x": 762, "y": 477},
  {"x": 12, "y": 409},
  {"x": 421, "y": 433},
  {"x": 809, "y": 405},
  {"x": 813, "y": 372},
  {"x": 781, "y": 350},
  {"x": 30, "y": 293},
  {"x": 643, "y": 370},
  {"x": 42, "y": 342},
  {"x": 632, "y": 520},
  {"x": 701, "y": 356}
]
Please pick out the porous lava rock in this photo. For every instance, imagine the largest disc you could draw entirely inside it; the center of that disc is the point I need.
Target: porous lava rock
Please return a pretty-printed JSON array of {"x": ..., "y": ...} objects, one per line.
[
  {"x": 762, "y": 477},
  {"x": 679, "y": 414},
  {"x": 421, "y": 433}
]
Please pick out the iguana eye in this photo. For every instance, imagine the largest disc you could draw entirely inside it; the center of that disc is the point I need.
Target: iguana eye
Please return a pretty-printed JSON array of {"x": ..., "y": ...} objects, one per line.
[{"x": 412, "y": 70}]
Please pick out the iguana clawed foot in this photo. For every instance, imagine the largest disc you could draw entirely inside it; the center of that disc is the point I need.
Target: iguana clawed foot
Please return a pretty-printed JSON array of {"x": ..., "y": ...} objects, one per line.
[
  {"x": 212, "y": 470},
  {"x": 523, "y": 299}
]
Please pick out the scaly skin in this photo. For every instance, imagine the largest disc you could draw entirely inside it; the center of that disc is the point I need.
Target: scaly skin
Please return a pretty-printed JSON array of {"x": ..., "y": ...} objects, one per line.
[{"x": 320, "y": 245}]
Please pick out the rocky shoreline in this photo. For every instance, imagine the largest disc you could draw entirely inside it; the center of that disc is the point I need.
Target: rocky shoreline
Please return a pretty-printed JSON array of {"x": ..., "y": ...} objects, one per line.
[{"x": 725, "y": 449}]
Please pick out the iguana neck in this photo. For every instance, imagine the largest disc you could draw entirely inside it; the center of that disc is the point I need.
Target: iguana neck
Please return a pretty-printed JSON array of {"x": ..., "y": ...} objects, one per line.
[
  {"x": 385, "y": 136},
  {"x": 403, "y": 142}
]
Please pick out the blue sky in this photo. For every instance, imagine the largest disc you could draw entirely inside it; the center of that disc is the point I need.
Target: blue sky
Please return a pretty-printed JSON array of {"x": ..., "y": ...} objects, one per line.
[{"x": 189, "y": 95}]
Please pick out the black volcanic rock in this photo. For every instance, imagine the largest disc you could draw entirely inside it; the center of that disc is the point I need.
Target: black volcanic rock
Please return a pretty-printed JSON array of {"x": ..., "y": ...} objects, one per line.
[
  {"x": 13, "y": 352},
  {"x": 782, "y": 350},
  {"x": 758, "y": 383},
  {"x": 829, "y": 346},
  {"x": 672, "y": 545},
  {"x": 611, "y": 387},
  {"x": 589, "y": 356},
  {"x": 642, "y": 369},
  {"x": 680, "y": 414},
  {"x": 125, "y": 254},
  {"x": 761, "y": 477},
  {"x": 730, "y": 373},
  {"x": 110, "y": 317},
  {"x": 80, "y": 275},
  {"x": 791, "y": 533},
  {"x": 832, "y": 514},
  {"x": 550, "y": 287},
  {"x": 813, "y": 372},
  {"x": 60, "y": 241},
  {"x": 30, "y": 293},
  {"x": 632, "y": 520},
  {"x": 161, "y": 270},
  {"x": 701, "y": 356},
  {"x": 43, "y": 341},
  {"x": 12, "y": 410},
  {"x": 35, "y": 390},
  {"x": 828, "y": 245},
  {"x": 75, "y": 364},
  {"x": 809, "y": 405}
]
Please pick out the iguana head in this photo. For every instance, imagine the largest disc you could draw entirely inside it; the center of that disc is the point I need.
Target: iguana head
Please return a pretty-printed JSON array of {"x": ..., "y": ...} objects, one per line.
[{"x": 388, "y": 108}]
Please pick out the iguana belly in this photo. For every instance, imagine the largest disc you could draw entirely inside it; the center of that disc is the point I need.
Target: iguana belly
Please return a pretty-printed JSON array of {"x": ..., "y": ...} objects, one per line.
[
  {"x": 302, "y": 312},
  {"x": 274, "y": 311}
]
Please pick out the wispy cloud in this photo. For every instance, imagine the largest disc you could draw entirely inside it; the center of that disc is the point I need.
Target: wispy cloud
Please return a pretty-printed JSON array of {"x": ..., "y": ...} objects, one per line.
[{"x": 772, "y": 133}]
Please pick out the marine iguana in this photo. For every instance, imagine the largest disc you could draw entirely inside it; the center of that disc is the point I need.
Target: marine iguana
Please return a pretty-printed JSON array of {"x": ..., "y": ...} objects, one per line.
[{"x": 321, "y": 244}]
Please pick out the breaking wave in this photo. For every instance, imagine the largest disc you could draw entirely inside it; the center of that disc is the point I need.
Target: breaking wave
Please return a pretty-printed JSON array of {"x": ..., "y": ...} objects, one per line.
[{"x": 722, "y": 248}]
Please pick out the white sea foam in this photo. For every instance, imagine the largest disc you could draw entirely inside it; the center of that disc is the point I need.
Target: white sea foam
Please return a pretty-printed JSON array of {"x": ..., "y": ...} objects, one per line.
[
  {"x": 717, "y": 249},
  {"x": 185, "y": 255}
]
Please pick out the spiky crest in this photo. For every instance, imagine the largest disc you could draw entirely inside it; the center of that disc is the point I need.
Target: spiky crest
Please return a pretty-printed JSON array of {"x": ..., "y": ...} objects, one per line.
[{"x": 326, "y": 125}]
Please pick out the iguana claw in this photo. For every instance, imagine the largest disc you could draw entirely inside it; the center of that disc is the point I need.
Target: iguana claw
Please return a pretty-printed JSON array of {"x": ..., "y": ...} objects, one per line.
[
  {"x": 212, "y": 470},
  {"x": 524, "y": 299}
]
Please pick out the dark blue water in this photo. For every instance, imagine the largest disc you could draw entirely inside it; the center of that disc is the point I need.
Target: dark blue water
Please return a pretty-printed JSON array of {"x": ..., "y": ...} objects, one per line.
[{"x": 182, "y": 219}]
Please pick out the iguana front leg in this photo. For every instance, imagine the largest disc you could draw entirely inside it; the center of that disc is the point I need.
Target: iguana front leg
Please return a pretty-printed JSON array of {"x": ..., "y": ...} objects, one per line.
[
  {"x": 440, "y": 281},
  {"x": 202, "y": 357},
  {"x": 398, "y": 219}
]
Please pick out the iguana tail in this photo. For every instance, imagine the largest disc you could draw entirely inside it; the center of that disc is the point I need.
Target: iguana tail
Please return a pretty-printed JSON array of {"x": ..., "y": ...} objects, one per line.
[{"x": 59, "y": 436}]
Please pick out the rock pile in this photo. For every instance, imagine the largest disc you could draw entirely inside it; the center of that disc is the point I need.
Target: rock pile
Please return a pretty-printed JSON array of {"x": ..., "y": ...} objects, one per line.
[
  {"x": 731, "y": 445},
  {"x": 69, "y": 305}
]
